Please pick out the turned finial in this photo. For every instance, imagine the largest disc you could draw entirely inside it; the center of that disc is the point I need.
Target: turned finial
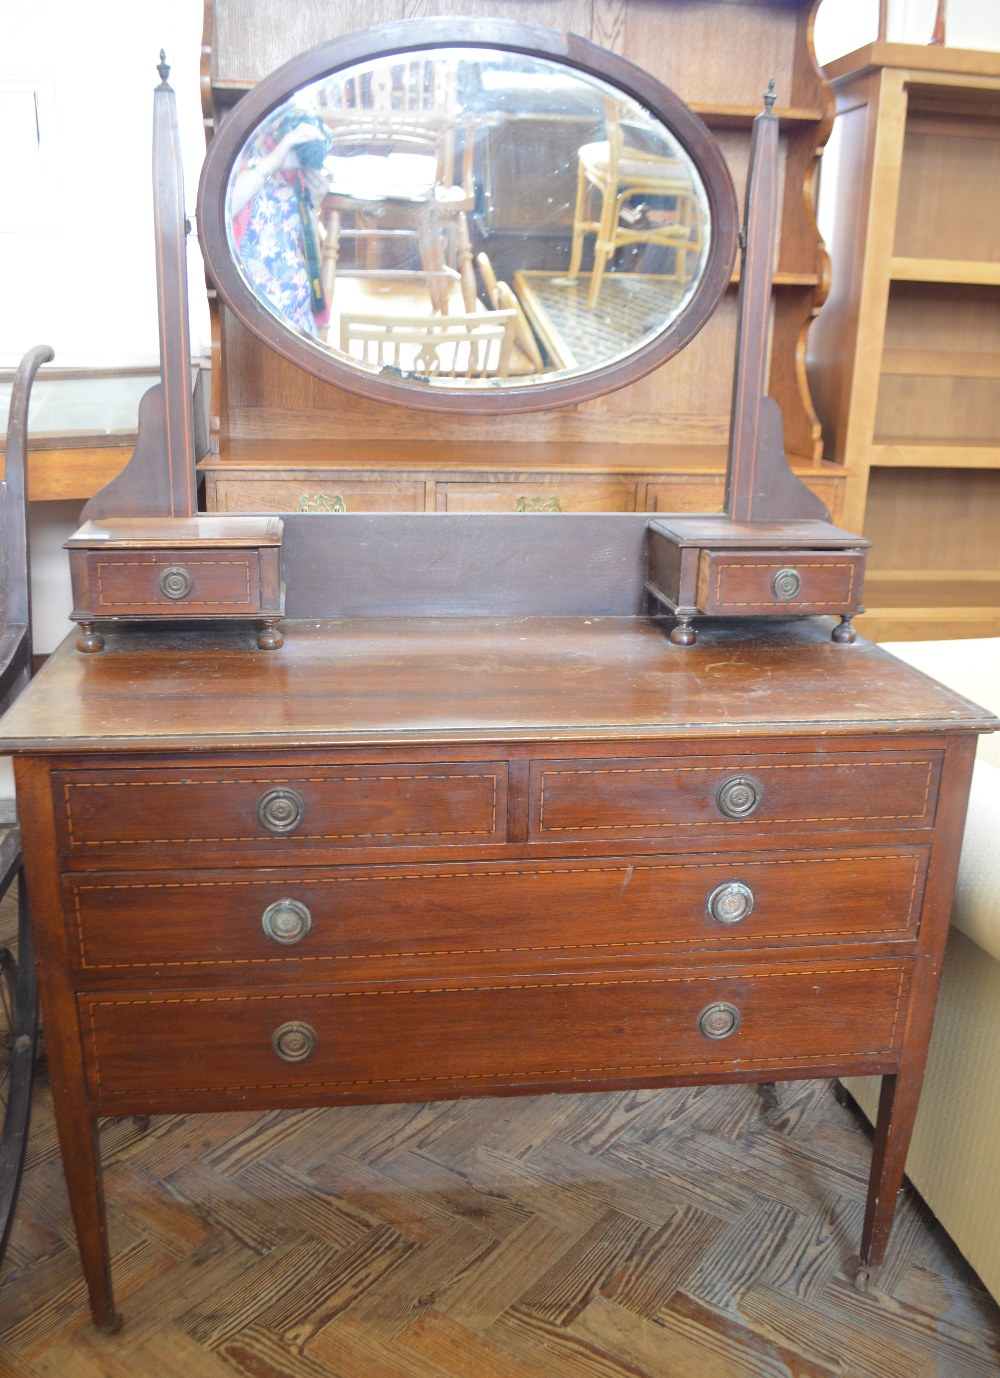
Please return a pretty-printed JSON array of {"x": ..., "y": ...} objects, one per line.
[
  {"x": 770, "y": 96},
  {"x": 163, "y": 67}
]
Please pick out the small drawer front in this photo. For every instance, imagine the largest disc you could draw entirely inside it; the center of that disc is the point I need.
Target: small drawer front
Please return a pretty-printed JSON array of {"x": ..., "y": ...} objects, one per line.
[
  {"x": 792, "y": 581},
  {"x": 380, "y": 1040},
  {"x": 126, "y": 814},
  {"x": 397, "y": 920},
  {"x": 175, "y": 582},
  {"x": 705, "y": 796}
]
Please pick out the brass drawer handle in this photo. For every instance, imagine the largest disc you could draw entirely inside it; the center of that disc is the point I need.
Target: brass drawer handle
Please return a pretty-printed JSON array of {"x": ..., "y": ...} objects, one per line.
[
  {"x": 176, "y": 583},
  {"x": 281, "y": 810},
  {"x": 739, "y": 797},
  {"x": 719, "y": 1020},
  {"x": 731, "y": 902},
  {"x": 786, "y": 584},
  {"x": 294, "y": 1041},
  {"x": 286, "y": 921}
]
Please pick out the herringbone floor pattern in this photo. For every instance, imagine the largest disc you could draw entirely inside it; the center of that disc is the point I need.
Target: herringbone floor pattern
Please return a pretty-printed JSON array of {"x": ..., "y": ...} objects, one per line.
[{"x": 671, "y": 1234}]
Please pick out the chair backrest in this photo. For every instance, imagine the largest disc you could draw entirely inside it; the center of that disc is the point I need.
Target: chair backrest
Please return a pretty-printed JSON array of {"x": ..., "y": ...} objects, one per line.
[
  {"x": 478, "y": 345},
  {"x": 407, "y": 106},
  {"x": 15, "y": 572}
]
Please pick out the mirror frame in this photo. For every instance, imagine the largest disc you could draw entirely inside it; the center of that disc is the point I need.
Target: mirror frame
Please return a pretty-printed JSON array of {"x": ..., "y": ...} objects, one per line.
[{"x": 408, "y": 36}]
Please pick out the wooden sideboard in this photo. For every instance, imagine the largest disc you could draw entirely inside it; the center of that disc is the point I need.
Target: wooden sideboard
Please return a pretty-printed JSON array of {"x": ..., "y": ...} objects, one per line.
[
  {"x": 284, "y": 441},
  {"x": 306, "y": 877}
]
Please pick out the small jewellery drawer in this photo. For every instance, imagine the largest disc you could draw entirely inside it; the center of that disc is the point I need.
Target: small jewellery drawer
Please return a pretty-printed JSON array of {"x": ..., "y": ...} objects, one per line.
[
  {"x": 382, "y": 1039},
  {"x": 742, "y": 582},
  {"x": 182, "y": 582},
  {"x": 122, "y": 815},
  {"x": 702, "y": 796},
  {"x": 348, "y": 920}
]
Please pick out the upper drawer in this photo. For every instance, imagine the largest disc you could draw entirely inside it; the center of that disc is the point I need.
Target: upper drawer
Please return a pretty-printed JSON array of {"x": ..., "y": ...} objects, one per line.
[
  {"x": 113, "y": 815},
  {"x": 708, "y": 796}
]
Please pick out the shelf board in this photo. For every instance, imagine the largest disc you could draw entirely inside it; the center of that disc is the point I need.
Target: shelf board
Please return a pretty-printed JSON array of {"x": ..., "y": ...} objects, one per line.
[
  {"x": 901, "y": 453},
  {"x": 969, "y": 272},
  {"x": 783, "y": 279},
  {"x": 921, "y": 604},
  {"x": 719, "y": 116},
  {"x": 941, "y": 363}
]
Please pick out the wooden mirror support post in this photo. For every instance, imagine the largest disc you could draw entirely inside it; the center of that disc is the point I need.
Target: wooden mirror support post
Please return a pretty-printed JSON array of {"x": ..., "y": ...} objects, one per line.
[
  {"x": 144, "y": 554},
  {"x": 773, "y": 552}
]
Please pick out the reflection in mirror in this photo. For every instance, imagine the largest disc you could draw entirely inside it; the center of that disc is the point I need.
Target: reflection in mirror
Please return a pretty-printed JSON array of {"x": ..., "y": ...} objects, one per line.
[{"x": 468, "y": 218}]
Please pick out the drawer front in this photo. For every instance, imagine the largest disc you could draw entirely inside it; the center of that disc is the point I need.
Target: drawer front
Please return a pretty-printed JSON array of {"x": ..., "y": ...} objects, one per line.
[
  {"x": 124, "y": 814},
  {"x": 708, "y": 796},
  {"x": 395, "y": 920},
  {"x": 382, "y": 1040},
  {"x": 791, "y": 581},
  {"x": 178, "y": 582},
  {"x": 310, "y": 491},
  {"x": 557, "y": 493}
]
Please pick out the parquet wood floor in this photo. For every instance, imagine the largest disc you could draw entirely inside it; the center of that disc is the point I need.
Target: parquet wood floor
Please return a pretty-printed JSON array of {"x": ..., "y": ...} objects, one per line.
[{"x": 671, "y": 1234}]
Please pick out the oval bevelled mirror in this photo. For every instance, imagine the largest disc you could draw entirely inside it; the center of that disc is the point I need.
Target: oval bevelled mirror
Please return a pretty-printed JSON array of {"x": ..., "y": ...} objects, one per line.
[{"x": 513, "y": 221}]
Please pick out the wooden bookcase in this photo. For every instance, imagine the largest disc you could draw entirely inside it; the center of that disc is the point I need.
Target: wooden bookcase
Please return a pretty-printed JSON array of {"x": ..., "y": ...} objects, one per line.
[
  {"x": 658, "y": 444},
  {"x": 905, "y": 359}
]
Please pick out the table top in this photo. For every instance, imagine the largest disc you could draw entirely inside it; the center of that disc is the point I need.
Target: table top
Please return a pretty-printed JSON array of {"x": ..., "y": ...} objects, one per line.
[{"x": 480, "y": 679}]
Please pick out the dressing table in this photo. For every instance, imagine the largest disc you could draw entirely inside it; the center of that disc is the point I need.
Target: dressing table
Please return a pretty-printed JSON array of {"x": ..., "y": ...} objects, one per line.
[{"x": 479, "y": 826}]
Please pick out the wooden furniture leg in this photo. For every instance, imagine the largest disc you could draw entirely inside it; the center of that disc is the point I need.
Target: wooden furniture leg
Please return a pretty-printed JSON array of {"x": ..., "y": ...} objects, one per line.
[{"x": 897, "y": 1111}]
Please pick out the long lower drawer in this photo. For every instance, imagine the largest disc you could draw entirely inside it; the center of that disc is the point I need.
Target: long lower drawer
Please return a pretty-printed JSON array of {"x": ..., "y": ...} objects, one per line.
[
  {"x": 597, "y": 1028},
  {"x": 338, "y": 920}
]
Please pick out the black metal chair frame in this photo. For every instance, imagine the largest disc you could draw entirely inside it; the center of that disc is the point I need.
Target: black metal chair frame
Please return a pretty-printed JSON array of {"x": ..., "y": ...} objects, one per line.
[{"x": 18, "y": 993}]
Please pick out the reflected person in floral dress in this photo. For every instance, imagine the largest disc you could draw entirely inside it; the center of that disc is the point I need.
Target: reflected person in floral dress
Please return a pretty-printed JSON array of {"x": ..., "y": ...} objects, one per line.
[{"x": 272, "y": 207}]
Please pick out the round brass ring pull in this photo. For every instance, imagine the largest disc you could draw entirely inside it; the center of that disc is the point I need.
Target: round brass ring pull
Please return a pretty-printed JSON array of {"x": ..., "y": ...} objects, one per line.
[
  {"x": 286, "y": 921},
  {"x": 294, "y": 1041},
  {"x": 786, "y": 584},
  {"x": 731, "y": 902},
  {"x": 176, "y": 583},
  {"x": 739, "y": 797},
  {"x": 719, "y": 1020},
  {"x": 281, "y": 810}
]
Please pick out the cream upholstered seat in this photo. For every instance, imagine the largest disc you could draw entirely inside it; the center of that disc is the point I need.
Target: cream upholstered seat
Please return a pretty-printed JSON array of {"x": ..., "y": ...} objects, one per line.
[{"x": 954, "y": 1158}]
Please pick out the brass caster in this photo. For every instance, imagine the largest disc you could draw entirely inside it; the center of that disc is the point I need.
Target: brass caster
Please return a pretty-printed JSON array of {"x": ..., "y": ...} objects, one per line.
[{"x": 862, "y": 1278}]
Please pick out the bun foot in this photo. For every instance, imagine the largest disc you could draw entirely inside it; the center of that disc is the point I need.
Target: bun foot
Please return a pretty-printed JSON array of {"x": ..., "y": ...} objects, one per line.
[
  {"x": 844, "y": 633},
  {"x": 269, "y": 638},
  {"x": 89, "y": 641},
  {"x": 683, "y": 634}
]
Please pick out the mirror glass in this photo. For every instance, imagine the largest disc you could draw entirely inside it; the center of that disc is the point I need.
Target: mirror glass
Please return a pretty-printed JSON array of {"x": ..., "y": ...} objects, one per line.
[{"x": 468, "y": 218}]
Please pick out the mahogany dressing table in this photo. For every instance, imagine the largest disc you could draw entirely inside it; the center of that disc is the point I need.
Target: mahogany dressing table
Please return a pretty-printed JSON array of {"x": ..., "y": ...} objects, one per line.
[{"x": 480, "y": 826}]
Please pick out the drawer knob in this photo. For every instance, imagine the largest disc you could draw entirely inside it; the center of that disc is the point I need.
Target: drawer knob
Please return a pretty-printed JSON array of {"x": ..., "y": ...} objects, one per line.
[
  {"x": 281, "y": 810},
  {"x": 719, "y": 1020},
  {"x": 294, "y": 1041},
  {"x": 786, "y": 584},
  {"x": 739, "y": 797},
  {"x": 176, "y": 583},
  {"x": 731, "y": 902},
  {"x": 286, "y": 921}
]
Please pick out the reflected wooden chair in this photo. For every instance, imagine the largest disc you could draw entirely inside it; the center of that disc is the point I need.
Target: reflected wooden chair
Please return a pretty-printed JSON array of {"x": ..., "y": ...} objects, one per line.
[
  {"x": 476, "y": 345},
  {"x": 502, "y": 297},
  {"x": 621, "y": 178},
  {"x": 398, "y": 173},
  {"x": 18, "y": 995}
]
